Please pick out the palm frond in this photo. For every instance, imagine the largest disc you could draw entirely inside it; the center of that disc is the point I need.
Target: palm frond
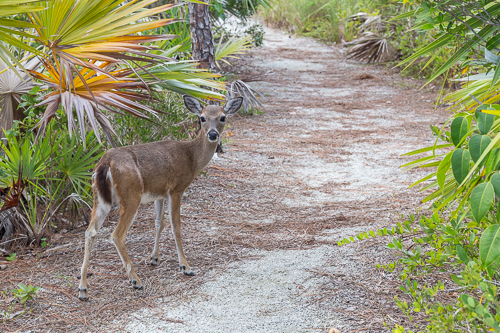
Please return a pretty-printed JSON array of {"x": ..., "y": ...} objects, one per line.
[
  {"x": 12, "y": 86},
  {"x": 240, "y": 88},
  {"x": 370, "y": 48},
  {"x": 231, "y": 48},
  {"x": 11, "y": 27}
]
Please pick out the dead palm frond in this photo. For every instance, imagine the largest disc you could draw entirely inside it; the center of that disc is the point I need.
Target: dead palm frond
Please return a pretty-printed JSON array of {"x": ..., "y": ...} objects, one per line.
[
  {"x": 370, "y": 48},
  {"x": 12, "y": 87},
  {"x": 240, "y": 88},
  {"x": 373, "y": 24},
  {"x": 89, "y": 93},
  {"x": 373, "y": 44}
]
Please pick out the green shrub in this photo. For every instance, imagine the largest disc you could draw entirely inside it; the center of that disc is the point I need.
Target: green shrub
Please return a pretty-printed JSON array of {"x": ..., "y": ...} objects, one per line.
[
  {"x": 25, "y": 293},
  {"x": 455, "y": 247},
  {"x": 323, "y": 19},
  {"x": 172, "y": 122}
]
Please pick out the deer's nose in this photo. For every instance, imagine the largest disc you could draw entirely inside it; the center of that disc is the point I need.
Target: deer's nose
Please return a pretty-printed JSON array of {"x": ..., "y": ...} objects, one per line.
[{"x": 213, "y": 135}]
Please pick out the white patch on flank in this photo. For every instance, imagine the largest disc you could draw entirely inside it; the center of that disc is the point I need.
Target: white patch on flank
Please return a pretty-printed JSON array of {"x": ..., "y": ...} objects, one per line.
[
  {"x": 114, "y": 197},
  {"x": 149, "y": 197},
  {"x": 103, "y": 209}
]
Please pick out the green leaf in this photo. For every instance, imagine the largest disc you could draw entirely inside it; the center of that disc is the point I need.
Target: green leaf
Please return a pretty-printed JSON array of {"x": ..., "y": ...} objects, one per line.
[
  {"x": 493, "y": 143},
  {"x": 423, "y": 150},
  {"x": 481, "y": 199},
  {"x": 442, "y": 169},
  {"x": 471, "y": 302},
  {"x": 462, "y": 254},
  {"x": 457, "y": 280},
  {"x": 484, "y": 121},
  {"x": 493, "y": 42},
  {"x": 493, "y": 161},
  {"x": 495, "y": 181},
  {"x": 459, "y": 128},
  {"x": 477, "y": 146},
  {"x": 496, "y": 75},
  {"x": 489, "y": 245},
  {"x": 491, "y": 57},
  {"x": 460, "y": 163},
  {"x": 464, "y": 298}
]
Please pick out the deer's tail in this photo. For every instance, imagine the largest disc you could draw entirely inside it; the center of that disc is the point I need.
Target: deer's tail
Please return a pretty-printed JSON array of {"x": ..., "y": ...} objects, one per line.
[{"x": 102, "y": 184}]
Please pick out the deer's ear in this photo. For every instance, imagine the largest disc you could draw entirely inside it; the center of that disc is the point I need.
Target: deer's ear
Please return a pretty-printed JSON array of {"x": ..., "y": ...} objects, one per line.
[
  {"x": 233, "y": 105},
  {"x": 193, "y": 105}
]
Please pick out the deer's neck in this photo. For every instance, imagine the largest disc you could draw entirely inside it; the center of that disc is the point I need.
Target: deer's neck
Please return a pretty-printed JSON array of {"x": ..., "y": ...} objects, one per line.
[{"x": 203, "y": 151}]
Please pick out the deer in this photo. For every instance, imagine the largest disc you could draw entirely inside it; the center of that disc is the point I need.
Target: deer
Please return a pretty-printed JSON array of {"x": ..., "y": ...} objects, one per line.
[{"x": 159, "y": 171}]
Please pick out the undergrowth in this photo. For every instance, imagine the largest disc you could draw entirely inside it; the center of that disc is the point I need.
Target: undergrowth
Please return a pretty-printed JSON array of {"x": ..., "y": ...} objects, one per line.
[
  {"x": 343, "y": 21},
  {"x": 449, "y": 255}
]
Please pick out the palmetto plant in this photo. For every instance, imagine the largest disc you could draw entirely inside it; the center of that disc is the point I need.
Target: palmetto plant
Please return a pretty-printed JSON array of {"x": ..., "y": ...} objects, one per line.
[
  {"x": 44, "y": 177},
  {"x": 12, "y": 86},
  {"x": 464, "y": 28},
  {"x": 374, "y": 43},
  {"x": 232, "y": 48},
  {"x": 10, "y": 25},
  {"x": 371, "y": 47},
  {"x": 97, "y": 59}
]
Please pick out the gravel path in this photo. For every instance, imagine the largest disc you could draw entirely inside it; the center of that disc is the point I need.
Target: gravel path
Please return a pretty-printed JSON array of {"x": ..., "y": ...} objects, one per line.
[
  {"x": 320, "y": 164},
  {"x": 261, "y": 224}
]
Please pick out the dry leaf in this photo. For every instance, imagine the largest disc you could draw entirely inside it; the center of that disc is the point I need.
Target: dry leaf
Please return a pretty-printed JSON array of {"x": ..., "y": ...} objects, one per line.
[{"x": 333, "y": 330}]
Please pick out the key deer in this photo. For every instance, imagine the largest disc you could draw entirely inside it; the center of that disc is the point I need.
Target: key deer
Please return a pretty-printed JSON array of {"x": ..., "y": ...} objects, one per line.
[{"x": 160, "y": 172}]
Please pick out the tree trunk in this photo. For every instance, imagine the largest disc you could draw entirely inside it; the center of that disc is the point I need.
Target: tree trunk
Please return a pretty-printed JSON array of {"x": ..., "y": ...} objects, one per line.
[
  {"x": 202, "y": 41},
  {"x": 201, "y": 35}
]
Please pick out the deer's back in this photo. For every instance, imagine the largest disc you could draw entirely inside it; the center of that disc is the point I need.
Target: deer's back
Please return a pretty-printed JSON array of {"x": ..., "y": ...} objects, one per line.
[{"x": 153, "y": 168}]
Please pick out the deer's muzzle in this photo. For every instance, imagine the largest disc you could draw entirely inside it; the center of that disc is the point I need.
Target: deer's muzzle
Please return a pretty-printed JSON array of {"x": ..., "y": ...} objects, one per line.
[{"x": 213, "y": 135}]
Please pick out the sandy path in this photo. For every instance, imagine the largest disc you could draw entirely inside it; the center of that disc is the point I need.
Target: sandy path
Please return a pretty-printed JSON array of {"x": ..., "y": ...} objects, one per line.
[
  {"x": 260, "y": 226},
  {"x": 320, "y": 164}
]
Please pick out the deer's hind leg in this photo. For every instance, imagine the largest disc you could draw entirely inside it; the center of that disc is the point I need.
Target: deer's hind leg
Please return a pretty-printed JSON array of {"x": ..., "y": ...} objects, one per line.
[
  {"x": 128, "y": 211},
  {"x": 99, "y": 213},
  {"x": 160, "y": 224},
  {"x": 175, "y": 220}
]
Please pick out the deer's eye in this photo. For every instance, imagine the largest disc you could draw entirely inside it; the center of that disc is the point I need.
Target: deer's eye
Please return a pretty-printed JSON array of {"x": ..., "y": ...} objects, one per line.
[
  {"x": 222, "y": 119},
  {"x": 203, "y": 119}
]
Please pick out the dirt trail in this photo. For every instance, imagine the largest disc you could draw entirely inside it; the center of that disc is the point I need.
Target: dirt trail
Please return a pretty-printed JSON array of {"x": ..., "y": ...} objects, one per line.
[
  {"x": 260, "y": 228},
  {"x": 320, "y": 164}
]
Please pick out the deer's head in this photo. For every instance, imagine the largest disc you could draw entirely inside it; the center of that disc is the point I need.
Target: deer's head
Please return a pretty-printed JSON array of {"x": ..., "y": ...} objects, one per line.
[{"x": 212, "y": 117}]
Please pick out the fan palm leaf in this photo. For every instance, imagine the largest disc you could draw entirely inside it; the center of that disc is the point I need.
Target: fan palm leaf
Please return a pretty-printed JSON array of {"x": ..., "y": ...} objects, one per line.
[
  {"x": 96, "y": 60},
  {"x": 232, "y": 48},
  {"x": 371, "y": 48},
  {"x": 89, "y": 93},
  {"x": 12, "y": 86},
  {"x": 10, "y": 27}
]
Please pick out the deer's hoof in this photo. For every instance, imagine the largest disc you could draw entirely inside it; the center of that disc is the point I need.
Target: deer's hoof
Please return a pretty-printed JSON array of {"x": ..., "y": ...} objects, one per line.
[
  {"x": 82, "y": 294},
  {"x": 79, "y": 276},
  {"x": 136, "y": 284},
  {"x": 187, "y": 272},
  {"x": 154, "y": 261}
]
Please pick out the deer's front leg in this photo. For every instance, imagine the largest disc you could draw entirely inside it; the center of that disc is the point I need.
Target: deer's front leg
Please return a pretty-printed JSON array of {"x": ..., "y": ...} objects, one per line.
[
  {"x": 160, "y": 224},
  {"x": 175, "y": 220}
]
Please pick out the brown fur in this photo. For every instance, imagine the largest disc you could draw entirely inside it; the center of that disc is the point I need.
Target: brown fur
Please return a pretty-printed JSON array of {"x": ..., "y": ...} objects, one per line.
[{"x": 156, "y": 171}]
